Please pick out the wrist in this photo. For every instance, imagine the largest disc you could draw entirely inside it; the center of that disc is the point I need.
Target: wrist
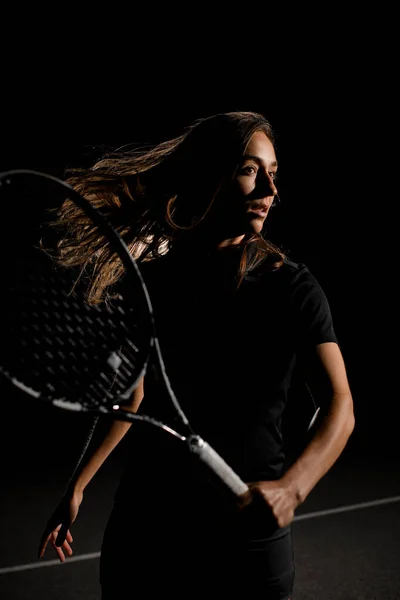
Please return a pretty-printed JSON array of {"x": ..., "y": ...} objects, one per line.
[
  {"x": 295, "y": 490},
  {"x": 76, "y": 488}
]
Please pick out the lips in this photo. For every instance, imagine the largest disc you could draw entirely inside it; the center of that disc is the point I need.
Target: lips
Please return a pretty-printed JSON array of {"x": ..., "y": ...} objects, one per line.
[{"x": 260, "y": 211}]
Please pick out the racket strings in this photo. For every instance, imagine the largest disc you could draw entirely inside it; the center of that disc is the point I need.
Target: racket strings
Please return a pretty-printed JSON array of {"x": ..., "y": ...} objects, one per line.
[{"x": 53, "y": 339}]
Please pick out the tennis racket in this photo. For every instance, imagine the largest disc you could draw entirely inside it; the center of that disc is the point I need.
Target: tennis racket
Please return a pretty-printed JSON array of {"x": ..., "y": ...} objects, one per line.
[{"x": 54, "y": 345}]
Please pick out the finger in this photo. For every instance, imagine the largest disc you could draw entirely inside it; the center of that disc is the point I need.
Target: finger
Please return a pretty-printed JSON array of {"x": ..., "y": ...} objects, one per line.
[
  {"x": 48, "y": 532},
  {"x": 43, "y": 546},
  {"x": 62, "y": 534},
  {"x": 50, "y": 528},
  {"x": 44, "y": 541},
  {"x": 67, "y": 548},
  {"x": 59, "y": 551}
]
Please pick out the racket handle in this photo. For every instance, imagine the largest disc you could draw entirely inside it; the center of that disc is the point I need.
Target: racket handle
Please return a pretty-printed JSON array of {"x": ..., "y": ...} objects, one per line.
[{"x": 217, "y": 464}]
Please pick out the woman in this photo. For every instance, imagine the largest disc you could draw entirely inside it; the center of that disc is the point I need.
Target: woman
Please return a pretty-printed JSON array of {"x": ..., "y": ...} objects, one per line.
[{"x": 235, "y": 318}]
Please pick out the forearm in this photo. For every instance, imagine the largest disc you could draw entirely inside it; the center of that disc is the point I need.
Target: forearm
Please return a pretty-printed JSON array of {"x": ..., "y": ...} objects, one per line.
[
  {"x": 324, "y": 448},
  {"x": 112, "y": 438},
  {"x": 114, "y": 435}
]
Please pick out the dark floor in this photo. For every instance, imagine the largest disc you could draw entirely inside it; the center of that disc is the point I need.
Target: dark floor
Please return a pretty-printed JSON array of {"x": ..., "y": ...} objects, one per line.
[{"x": 346, "y": 534}]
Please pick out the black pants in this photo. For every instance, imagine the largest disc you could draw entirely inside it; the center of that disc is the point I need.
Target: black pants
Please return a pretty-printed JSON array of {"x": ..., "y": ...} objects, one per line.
[{"x": 192, "y": 556}]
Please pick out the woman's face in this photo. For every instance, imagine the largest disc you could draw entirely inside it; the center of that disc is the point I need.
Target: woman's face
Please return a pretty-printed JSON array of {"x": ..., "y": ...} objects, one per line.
[{"x": 244, "y": 205}]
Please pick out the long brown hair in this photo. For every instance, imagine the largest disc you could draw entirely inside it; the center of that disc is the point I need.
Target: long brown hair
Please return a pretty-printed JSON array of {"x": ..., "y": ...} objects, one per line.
[{"x": 156, "y": 197}]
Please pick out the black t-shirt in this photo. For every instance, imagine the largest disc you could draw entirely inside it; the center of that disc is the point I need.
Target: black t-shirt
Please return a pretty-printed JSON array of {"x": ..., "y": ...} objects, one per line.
[{"x": 229, "y": 356}]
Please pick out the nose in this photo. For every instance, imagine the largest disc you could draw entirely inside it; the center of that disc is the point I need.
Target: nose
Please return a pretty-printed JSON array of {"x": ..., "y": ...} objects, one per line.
[{"x": 267, "y": 185}]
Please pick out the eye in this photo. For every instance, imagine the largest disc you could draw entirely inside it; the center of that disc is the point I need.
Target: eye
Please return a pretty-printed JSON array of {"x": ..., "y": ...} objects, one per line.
[{"x": 248, "y": 170}]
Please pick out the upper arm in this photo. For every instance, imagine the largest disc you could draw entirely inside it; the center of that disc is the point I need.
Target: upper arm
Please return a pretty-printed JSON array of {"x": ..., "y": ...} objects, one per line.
[
  {"x": 331, "y": 361},
  {"x": 325, "y": 373},
  {"x": 320, "y": 362}
]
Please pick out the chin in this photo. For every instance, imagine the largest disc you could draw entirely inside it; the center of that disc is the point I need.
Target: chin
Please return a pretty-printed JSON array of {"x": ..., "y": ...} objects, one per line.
[
  {"x": 256, "y": 228},
  {"x": 256, "y": 225}
]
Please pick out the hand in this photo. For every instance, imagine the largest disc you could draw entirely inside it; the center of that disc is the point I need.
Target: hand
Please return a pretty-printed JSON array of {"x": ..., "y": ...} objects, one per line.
[
  {"x": 57, "y": 529},
  {"x": 280, "y": 499}
]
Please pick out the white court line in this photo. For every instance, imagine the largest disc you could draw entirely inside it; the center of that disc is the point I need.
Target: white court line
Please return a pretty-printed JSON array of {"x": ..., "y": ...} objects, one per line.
[
  {"x": 341, "y": 509},
  {"x": 48, "y": 563},
  {"x": 310, "y": 515}
]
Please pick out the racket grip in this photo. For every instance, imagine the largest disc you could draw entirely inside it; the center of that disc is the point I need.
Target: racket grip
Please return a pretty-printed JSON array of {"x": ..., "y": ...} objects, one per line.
[{"x": 216, "y": 463}]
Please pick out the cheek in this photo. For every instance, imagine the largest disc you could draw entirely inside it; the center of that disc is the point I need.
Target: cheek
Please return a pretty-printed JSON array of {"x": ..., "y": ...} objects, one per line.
[{"x": 244, "y": 186}]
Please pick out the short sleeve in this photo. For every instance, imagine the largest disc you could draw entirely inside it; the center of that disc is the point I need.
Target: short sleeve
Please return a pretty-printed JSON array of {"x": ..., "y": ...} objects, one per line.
[{"x": 313, "y": 323}]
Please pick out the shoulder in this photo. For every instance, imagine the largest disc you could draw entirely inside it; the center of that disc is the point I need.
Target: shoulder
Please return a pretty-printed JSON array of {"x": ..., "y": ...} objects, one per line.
[
  {"x": 289, "y": 272},
  {"x": 294, "y": 270},
  {"x": 298, "y": 273},
  {"x": 302, "y": 282},
  {"x": 292, "y": 282}
]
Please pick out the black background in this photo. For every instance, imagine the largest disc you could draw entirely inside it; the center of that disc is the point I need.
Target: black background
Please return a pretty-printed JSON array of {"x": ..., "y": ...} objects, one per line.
[
  {"x": 75, "y": 79},
  {"x": 332, "y": 101}
]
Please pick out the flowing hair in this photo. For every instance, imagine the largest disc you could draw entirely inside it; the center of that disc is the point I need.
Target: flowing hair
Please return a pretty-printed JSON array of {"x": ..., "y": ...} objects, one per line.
[{"x": 157, "y": 197}]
